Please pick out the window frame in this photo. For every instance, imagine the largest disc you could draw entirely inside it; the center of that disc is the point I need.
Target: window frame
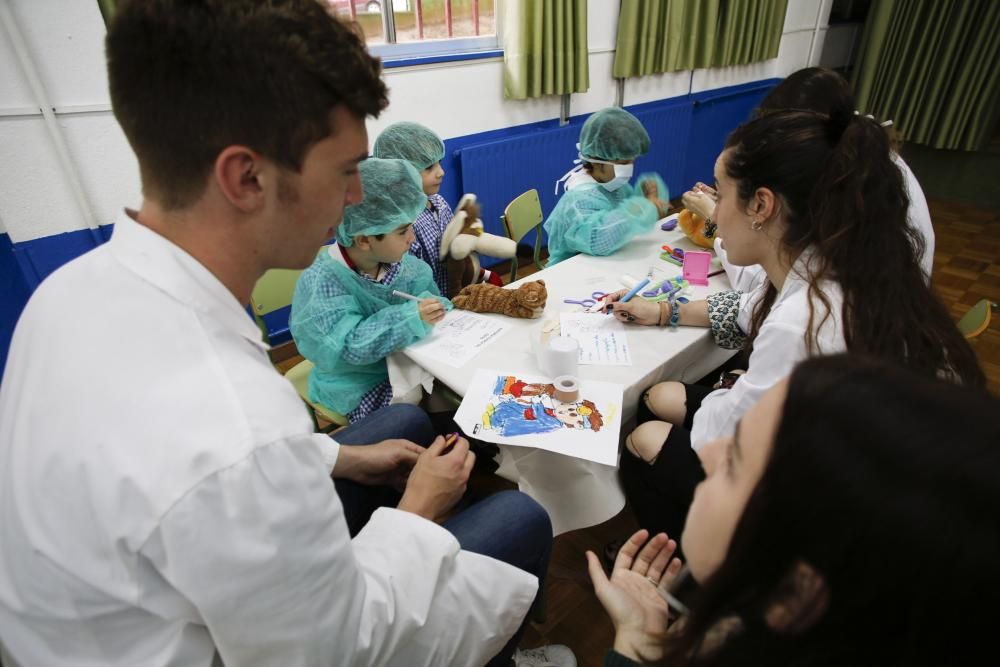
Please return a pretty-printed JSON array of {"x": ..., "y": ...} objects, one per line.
[{"x": 399, "y": 54}]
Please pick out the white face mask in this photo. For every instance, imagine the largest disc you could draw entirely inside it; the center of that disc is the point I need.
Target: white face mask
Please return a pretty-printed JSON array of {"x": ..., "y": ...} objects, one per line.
[{"x": 623, "y": 173}]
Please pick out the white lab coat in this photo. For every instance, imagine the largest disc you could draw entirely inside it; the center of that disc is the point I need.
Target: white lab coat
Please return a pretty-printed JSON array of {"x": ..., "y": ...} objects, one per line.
[
  {"x": 918, "y": 215},
  {"x": 779, "y": 345},
  {"x": 163, "y": 500}
]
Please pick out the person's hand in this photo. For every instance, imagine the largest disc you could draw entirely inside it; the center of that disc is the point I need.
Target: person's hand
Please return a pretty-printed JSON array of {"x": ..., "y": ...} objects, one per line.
[
  {"x": 652, "y": 192},
  {"x": 438, "y": 479},
  {"x": 634, "y": 595},
  {"x": 699, "y": 202},
  {"x": 387, "y": 463},
  {"x": 637, "y": 311},
  {"x": 707, "y": 189},
  {"x": 431, "y": 310}
]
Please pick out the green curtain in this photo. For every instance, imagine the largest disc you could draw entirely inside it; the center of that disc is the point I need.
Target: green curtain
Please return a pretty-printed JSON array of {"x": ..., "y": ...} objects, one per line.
[
  {"x": 107, "y": 9},
  {"x": 669, "y": 35},
  {"x": 749, "y": 31},
  {"x": 931, "y": 66},
  {"x": 665, "y": 36},
  {"x": 544, "y": 48}
]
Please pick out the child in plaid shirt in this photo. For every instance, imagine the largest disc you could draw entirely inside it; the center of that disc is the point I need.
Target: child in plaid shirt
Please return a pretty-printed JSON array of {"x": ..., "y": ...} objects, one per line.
[{"x": 424, "y": 149}]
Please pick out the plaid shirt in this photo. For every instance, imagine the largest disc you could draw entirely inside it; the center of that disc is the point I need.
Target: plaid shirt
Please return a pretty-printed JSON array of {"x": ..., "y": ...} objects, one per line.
[
  {"x": 428, "y": 228},
  {"x": 379, "y": 395}
]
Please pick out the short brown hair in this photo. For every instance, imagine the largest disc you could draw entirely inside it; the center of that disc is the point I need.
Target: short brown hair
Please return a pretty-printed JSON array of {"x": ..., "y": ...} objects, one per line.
[{"x": 190, "y": 77}]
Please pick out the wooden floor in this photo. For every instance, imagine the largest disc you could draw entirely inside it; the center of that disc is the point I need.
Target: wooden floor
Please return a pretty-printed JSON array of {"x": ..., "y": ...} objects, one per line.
[{"x": 966, "y": 269}]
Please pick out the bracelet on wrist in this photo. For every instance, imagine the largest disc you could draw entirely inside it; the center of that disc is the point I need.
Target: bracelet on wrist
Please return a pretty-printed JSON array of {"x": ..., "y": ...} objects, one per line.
[{"x": 675, "y": 313}]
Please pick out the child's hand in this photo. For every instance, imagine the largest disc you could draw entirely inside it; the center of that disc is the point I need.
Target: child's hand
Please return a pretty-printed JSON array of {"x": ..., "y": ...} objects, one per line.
[
  {"x": 431, "y": 310},
  {"x": 652, "y": 192}
]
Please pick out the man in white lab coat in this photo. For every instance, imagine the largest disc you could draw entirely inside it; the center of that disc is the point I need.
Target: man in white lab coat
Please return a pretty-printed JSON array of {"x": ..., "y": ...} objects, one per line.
[{"x": 163, "y": 500}]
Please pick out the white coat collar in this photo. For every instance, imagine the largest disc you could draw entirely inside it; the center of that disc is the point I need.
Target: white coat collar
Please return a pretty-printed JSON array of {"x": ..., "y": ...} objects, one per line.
[{"x": 173, "y": 271}]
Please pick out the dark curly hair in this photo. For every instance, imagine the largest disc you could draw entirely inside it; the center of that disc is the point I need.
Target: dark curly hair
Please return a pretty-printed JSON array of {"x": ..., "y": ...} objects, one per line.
[
  {"x": 886, "y": 483},
  {"x": 190, "y": 77}
]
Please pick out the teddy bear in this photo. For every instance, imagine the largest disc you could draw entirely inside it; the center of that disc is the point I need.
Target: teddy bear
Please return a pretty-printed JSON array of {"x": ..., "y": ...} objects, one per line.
[
  {"x": 700, "y": 231},
  {"x": 462, "y": 243},
  {"x": 526, "y": 302}
]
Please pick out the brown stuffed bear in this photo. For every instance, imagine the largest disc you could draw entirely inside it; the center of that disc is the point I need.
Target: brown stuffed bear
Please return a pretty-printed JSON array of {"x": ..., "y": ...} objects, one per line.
[
  {"x": 462, "y": 242},
  {"x": 526, "y": 302}
]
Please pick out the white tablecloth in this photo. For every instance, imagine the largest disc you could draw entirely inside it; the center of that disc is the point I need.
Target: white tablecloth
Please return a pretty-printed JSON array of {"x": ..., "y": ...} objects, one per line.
[{"x": 575, "y": 492}]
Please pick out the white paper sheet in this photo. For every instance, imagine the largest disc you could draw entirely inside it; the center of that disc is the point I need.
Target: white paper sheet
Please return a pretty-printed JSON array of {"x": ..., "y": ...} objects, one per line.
[
  {"x": 518, "y": 409},
  {"x": 602, "y": 338},
  {"x": 459, "y": 337}
]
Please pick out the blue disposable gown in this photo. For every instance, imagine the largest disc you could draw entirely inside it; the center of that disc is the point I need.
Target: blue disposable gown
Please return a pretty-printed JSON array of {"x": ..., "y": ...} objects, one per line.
[
  {"x": 596, "y": 221},
  {"x": 347, "y": 325}
]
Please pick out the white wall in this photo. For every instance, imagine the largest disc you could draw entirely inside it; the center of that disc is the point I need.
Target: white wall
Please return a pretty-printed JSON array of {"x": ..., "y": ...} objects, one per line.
[{"x": 64, "y": 44}]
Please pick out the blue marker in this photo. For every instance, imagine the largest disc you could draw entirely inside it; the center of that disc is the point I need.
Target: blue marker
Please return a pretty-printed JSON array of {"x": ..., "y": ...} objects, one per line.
[
  {"x": 631, "y": 293},
  {"x": 635, "y": 290}
]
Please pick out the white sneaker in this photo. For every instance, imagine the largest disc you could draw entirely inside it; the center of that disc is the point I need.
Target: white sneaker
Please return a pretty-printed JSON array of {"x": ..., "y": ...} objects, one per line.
[{"x": 553, "y": 655}]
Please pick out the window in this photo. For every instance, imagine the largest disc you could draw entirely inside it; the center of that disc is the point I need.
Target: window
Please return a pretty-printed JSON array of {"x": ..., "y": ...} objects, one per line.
[{"x": 417, "y": 29}]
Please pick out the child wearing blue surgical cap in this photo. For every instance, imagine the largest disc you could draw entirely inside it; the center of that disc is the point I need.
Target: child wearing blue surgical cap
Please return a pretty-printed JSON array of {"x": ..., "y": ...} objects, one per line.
[
  {"x": 345, "y": 317},
  {"x": 600, "y": 211}
]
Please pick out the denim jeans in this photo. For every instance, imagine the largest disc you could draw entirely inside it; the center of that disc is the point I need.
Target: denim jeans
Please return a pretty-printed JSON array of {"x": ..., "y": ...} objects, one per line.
[{"x": 508, "y": 526}]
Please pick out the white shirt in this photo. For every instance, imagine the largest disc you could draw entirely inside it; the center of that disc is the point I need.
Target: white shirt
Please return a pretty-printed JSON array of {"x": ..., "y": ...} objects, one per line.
[
  {"x": 918, "y": 215},
  {"x": 163, "y": 500},
  {"x": 779, "y": 345}
]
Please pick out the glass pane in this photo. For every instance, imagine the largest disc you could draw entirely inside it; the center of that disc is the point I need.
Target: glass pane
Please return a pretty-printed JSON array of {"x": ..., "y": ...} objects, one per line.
[
  {"x": 429, "y": 19},
  {"x": 364, "y": 15}
]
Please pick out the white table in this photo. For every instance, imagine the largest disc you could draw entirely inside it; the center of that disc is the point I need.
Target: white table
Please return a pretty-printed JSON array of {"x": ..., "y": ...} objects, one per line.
[{"x": 579, "y": 493}]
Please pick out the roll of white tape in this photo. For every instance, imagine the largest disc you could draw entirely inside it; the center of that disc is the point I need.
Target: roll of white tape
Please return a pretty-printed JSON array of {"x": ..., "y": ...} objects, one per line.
[
  {"x": 559, "y": 357},
  {"x": 567, "y": 389}
]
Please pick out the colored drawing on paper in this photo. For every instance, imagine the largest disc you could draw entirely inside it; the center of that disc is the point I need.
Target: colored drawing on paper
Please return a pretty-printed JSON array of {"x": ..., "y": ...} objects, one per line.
[{"x": 517, "y": 408}]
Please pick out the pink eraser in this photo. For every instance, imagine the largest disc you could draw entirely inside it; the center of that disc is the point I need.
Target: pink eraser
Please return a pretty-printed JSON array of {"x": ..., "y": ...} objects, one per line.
[{"x": 696, "y": 265}]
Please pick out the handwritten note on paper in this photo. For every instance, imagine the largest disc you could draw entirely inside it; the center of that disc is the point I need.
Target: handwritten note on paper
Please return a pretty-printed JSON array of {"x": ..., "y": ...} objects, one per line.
[
  {"x": 459, "y": 337},
  {"x": 602, "y": 338}
]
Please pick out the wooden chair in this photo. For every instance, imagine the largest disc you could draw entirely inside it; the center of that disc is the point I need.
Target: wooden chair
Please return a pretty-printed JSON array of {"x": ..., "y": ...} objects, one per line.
[
  {"x": 272, "y": 292},
  {"x": 521, "y": 216}
]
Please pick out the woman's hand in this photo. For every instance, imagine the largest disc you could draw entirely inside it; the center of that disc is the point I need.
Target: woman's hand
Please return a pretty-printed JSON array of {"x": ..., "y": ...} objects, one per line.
[
  {"x": 637, "y": 311},
  {"x": 634, "y": 595},
  {"x": 699, "y": 202}
]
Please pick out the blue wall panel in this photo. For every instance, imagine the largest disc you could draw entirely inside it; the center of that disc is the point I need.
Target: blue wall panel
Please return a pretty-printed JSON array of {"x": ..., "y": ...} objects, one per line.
[{"x": 716, "y": 113}]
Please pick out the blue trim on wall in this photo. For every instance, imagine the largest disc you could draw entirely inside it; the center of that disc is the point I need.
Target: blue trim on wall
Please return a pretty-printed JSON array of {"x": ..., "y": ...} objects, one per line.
[
  {"x": 442, "y": 58},
  {"x": 15, "y": 292},
  {"x": 713, "y": 115}
]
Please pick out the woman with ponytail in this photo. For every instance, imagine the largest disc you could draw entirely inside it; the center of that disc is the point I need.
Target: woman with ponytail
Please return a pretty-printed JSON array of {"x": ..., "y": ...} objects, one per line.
[
  {"x": 818, "y": 202},
  {"x": 824, "y": 91}
]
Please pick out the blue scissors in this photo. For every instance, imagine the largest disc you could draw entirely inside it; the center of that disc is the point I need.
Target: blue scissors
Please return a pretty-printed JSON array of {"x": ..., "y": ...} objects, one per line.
[{"x": 588, "y": 303}]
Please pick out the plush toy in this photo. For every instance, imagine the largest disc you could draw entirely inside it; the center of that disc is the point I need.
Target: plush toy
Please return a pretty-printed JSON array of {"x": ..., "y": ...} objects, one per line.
[
  {"x": 526, "y": 302},
  {"x": 696, "y": 229},
  {"x": 462, "y": 242}
]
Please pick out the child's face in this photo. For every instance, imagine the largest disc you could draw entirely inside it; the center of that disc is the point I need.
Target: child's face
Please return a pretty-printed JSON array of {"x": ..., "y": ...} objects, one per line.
[
  {"x": 603, "y": 173},
  {"x": 391, "y": 247},
  {"x": 431, "y": 177}
]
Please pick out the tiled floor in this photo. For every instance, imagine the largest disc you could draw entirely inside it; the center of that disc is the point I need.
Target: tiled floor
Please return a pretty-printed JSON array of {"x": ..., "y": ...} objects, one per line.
[{"x": 966, "y": 269}]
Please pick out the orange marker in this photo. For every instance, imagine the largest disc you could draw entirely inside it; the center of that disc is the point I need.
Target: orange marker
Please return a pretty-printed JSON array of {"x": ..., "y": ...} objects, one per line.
[{"x": 449, "y": 442}]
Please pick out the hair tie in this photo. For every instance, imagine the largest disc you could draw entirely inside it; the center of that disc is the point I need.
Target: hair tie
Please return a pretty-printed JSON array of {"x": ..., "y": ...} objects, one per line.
[{"x": 886, "y": 123}]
